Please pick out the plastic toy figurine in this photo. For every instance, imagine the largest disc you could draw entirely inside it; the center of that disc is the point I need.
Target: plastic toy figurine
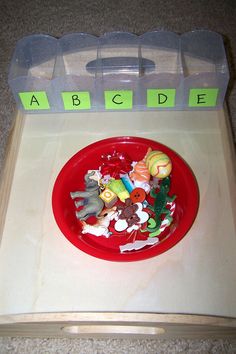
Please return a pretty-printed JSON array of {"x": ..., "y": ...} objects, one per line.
[
  {"x": 140, "y": 174},
  {"x": 109, "y": 198},
  {"x": 118, "y": 187},
  {"x": 159, "y": 208},
  {"x": 130, "y": 216},
  {"x": 91, "y": 202},
  {"x": 102, "y": 224},
  {"x": 127, "y": 182}
]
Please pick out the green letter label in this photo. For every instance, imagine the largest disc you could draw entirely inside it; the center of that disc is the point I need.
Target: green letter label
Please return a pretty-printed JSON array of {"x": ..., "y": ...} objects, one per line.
[
  {"x": 76, "y": 100},
  {"x": 160, "y": 98},
  {"x": 203, "y": 97},
  {"x": 34, "y": 100},
  {"x": 122, "y": 99}
]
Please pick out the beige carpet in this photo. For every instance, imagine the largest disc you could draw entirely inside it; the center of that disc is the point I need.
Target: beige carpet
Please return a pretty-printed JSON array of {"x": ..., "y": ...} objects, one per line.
[
  {"x": 58, "y": 17},
  {"x": 114, "y": 346}
]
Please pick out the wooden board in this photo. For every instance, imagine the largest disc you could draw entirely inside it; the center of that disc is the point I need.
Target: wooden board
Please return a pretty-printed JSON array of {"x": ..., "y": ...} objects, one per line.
[{"x": 187, "y": 291}]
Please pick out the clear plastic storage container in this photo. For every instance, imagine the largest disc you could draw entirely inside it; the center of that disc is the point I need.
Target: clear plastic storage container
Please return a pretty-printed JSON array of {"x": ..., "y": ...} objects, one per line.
[
  {"x": 32, "y": 71},
  {"x": 205, "y": 69},
  {"x": 161, "y": 71},
  {"x": 74, "y": 76},
  {"x": 119, "y": 71}
]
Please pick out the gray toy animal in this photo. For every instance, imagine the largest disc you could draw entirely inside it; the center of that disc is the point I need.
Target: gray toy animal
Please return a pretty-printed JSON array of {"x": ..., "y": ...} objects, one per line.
[{"x": 91, "y": 202}]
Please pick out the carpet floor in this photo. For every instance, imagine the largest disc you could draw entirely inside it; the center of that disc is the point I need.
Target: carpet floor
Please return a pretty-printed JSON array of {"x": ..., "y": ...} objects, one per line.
[{"x": 58, "y": 17}]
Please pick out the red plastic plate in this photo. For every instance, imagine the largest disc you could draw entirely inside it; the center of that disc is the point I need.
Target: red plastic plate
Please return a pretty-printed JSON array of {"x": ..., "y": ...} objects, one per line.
[{"x": 71, "y": 178}]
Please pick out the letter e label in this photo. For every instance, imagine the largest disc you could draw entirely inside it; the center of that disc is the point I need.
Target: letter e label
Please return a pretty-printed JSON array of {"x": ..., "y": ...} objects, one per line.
[{"x": 203, "y": 97}]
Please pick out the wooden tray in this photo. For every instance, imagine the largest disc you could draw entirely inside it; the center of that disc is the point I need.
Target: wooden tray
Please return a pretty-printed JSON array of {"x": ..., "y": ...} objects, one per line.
[{"x": 50, "y": 288}]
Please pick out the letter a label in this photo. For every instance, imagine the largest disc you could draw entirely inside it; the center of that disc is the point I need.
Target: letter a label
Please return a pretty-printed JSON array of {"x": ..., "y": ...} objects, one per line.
[
  {"x": 76, "y": 100},
  {"x": 122, "y": 99},
  {"x": 34, "y": 100},
  {"x": 158, "y": 98},
  {"x": 203, "y": 97}
]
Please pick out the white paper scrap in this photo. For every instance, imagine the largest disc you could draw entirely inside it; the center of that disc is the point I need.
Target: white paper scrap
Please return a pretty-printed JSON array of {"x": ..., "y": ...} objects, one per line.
[{"x": 137, "y": 245}]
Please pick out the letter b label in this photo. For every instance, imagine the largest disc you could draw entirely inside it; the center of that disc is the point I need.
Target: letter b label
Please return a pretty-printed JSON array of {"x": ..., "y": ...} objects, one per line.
[{"x": 76, "y": 100}]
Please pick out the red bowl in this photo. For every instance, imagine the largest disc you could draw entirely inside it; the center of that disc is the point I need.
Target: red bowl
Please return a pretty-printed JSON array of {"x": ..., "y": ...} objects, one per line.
[{"x": 71, "y": 178}]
